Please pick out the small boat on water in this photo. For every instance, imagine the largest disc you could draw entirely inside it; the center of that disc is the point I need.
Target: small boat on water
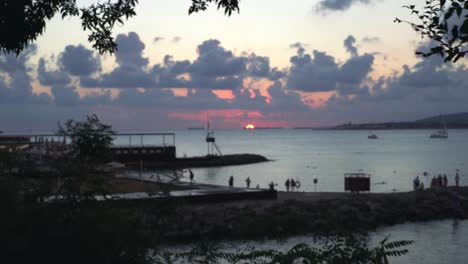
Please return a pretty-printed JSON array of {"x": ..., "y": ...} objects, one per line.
[
  {"x": 372, "y": 136},
  {"x": 441, "y": 133}
]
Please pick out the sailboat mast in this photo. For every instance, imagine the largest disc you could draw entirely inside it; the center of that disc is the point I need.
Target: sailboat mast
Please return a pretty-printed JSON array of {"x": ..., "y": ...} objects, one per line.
[{"x": 444, "y": 127}]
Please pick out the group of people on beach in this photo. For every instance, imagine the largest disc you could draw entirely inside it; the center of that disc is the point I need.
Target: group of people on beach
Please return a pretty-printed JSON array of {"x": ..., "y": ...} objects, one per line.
[
  {"x": 438, "y": 181},
  {"x": 292, "y": 185}
]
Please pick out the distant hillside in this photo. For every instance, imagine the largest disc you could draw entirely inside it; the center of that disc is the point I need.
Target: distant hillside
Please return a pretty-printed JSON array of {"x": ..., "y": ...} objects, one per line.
[
  {"x": 451, "y": 119},
  {"x": 458, "y": 120}
]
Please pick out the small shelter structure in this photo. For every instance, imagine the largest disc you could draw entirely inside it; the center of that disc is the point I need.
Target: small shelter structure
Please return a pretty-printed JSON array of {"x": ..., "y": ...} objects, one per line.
[{"x": 357, "y": 182}]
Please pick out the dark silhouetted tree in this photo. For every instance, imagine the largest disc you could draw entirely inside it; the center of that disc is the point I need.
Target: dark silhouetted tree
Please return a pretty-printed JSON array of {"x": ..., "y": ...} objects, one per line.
[
  {"x": 91, "y": 139},
  {"x": 445, "y": 22},
  {"x": 22, "y": 21}
]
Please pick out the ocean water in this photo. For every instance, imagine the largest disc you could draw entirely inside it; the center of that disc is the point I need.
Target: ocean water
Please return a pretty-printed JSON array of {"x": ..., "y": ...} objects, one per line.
[
  {"x": 393, "y": 160},
  {"x": 436, "y": 242}
]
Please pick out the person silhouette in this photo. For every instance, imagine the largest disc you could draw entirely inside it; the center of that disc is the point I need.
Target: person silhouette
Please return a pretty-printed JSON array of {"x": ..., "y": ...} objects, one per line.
[
  {"x": 231, "y": 181},
  {"x": 247, "y": 181},
  {"x": 191, "y": 176}
]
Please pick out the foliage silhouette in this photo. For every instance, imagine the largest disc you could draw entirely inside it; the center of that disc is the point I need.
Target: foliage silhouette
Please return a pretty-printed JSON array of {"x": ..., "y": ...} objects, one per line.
[
  {"x": 22, "y": 21},
  {"x": 445, "y": 22},
  {"x": 348, "y": 249},
  {"x": 91, "y": 139}
]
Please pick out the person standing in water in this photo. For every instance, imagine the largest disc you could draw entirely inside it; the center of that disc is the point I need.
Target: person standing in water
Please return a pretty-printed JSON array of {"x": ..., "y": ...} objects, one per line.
[
  {"x": 457, "y": 179},
  {"x": 231, "y": 181}
]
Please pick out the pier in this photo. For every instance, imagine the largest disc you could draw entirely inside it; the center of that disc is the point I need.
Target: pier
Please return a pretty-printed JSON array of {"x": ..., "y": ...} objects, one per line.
[
  {"x": 144, "y": 147},
  {"x": 126, "y": 147}
]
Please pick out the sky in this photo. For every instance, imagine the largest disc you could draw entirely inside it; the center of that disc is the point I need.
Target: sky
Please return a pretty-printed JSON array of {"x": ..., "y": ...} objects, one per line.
[{"x": 296, "y": 63}]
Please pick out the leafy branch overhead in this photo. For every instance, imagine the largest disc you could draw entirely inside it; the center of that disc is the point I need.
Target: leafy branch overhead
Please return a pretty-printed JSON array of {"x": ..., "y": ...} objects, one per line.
[
  {"x": 22, "y": 21},
  {"x": 445, "y": 22}
]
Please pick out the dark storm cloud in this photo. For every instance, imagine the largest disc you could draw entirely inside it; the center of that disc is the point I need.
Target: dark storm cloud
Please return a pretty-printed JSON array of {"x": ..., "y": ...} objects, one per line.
[
  {"x": 79, "y": 61},
  {"x": 338, "y": 5},
  {"x": 349, "y": 45}
]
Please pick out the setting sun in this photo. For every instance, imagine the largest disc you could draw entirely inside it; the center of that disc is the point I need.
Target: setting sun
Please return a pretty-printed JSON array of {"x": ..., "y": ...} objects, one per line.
[{"x": 249, "y": 126}]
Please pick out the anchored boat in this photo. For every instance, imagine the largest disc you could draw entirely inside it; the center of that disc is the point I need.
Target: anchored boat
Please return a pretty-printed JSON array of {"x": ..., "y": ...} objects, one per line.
[{"x": 441, "y": 133}]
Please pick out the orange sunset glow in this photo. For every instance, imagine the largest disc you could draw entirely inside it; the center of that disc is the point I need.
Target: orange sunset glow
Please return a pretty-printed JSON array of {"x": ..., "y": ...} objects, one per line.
[{"x": 250, "y": 126}]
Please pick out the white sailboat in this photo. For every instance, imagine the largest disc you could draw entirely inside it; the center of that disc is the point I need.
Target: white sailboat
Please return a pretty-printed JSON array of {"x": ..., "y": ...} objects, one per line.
[
  {"x": 441, "y": 133},
  {"x": 372, "y": 136}
]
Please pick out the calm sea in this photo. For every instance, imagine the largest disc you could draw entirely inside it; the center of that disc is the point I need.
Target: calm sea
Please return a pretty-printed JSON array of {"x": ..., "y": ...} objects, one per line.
[
  {"x": 437, "y": 242},
  {"x": 393, "y": 160}
]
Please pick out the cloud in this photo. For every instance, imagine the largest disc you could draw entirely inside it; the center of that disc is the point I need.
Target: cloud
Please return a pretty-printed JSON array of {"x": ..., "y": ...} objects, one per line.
[
  {"x": 297, "y": 45},
  {"x": 430, "y": 87},
  {"x": 214, "y": 68},
  {"x": 349, "y": 45},
  {"x": 321, "y": 72},
  {"x": 79, "y": 61},
  {"x": 312, "y": 74},
  {"x": 158, "y": 39},
  {"x": 132, "y": 66},
  {"x": 122, "y": 77},
  {"x": 354, "y": 70},
  {"x": 325, "y": 6},
  {"x": 371, "y": 39},
  {"x": 130, "y": 51},
  {"x": 176, "y": 39},
  {"x": 258, "y": 90},
  {"x": 213, "y": 60},
  {"x": 49, "y": 78},
  {"x": 16, "y": 79},
  {"x": 65, "y": 95}
]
